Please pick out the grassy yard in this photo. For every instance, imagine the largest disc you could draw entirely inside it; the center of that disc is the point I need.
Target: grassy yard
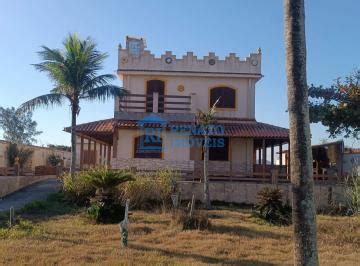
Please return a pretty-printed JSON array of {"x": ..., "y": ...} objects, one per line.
[{"x": 234, "y": 238}]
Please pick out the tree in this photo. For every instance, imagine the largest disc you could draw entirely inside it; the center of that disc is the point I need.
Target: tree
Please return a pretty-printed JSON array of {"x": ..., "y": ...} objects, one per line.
[
  {"x": 304, "y": 216},
  {"x": 206, "y": 121},
  {"x": 337, "y": 107},
  {"x": 74, "y": 73},
  {"x": 18, "y": 127}
]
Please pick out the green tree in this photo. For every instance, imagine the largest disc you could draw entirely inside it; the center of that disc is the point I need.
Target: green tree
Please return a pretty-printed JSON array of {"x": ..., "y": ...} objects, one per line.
[
  {"x": 18, "y": 127},
  {"x": 337, "y": 107},
  {"x": 303, "y": 214},
  {"x": 206, "y": 120},
  {"x": 74, "y": 72}
]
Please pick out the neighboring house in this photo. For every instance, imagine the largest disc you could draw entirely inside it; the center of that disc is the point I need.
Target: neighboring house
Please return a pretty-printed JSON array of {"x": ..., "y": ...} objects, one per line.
[
  {"x": 148, "y": 130},
  {"x": 333, "y": 159},
  {"x": 39, "y": 157}
]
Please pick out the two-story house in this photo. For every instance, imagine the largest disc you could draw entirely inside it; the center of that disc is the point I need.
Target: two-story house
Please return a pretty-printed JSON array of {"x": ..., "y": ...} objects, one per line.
[{"x": 166, "y": 93}]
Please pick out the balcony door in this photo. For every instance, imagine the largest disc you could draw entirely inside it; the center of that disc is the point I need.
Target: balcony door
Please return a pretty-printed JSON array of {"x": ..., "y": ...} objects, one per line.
[{"x": 155, "y": 96}]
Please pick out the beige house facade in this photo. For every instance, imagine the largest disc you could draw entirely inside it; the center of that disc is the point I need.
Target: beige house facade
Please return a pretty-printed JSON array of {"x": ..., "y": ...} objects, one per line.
[{"x": 164, "y": 97}]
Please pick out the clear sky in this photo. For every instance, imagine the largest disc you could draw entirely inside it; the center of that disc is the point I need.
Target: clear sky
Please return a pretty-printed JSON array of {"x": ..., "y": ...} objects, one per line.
[{"x": 239, "y": 26}]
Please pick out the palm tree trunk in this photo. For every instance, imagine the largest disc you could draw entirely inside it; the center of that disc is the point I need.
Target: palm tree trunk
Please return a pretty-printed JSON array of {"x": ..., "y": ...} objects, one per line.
[
  {"x": 73, "y": 141},
  {"x": 304, "y": 216},
  {"x": 206, "y": 178}
]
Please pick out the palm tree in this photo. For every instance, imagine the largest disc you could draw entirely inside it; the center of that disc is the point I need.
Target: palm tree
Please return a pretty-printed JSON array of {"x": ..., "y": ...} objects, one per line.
[
  {"x": 304, "y": 216},
  {"x": 74, "y": 73},
  {"x": 206, "y": 120}
]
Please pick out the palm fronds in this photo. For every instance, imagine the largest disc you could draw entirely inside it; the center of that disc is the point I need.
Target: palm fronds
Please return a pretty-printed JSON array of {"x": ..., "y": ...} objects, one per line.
[{"x": 46, "y": 100}]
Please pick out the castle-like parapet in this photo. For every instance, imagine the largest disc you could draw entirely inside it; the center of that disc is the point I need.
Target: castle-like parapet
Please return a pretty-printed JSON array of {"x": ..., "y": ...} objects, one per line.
[{"x": 134, "y": 59}]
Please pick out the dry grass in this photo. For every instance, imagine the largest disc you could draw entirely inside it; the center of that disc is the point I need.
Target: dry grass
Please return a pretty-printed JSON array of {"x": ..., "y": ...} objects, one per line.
[{"x": 153, "y": 239}]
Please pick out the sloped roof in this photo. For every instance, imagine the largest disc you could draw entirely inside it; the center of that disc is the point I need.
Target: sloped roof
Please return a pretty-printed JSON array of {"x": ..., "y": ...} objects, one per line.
[{"x": 103, "y": 129}]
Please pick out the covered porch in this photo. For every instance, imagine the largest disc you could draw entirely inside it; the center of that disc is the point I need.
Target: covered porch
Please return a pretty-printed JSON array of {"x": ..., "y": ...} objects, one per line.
[{"x": 94, "y": 143}]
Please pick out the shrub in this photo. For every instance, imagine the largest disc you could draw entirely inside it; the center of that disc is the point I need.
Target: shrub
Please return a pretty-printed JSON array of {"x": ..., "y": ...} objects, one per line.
[
  {"x": 106, "y": 212},
  {"x": 77, "y": 190},
  {"x": 23, "y": 154},
  {"x": 352, "y": 192},
  {"x": 142, "y": 192},
  {"x": 105, "y": 180},
  {"x": 54, "y": 160},
  {"x": 199, "y": 220},
  {"x": 149, "y": 190},
  {"x": 54, "y": 204},
  {"x": 271, "y": 208}
]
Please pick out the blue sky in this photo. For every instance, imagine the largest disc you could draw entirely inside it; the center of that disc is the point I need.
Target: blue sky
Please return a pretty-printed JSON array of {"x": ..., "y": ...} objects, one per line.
[{"x": 239, "y": 26}]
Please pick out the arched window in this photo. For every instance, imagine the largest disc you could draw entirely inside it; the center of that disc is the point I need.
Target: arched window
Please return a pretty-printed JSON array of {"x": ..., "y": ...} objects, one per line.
[
  {"x": 226, "y": 96},
  {"x": 148, "y": 146}
]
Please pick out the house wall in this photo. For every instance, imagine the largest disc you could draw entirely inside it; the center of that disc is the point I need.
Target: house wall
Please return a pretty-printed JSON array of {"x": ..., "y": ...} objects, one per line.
[
  {"x": 38, "y": 158},
  {"x": 199, "y": 89},
  {"x": 171, "y": 152},
  {"x": 180, "y": 157}
]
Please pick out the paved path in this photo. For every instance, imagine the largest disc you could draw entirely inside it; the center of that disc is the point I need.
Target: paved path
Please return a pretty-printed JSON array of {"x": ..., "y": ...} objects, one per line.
[{"x": 37, "y": 191}]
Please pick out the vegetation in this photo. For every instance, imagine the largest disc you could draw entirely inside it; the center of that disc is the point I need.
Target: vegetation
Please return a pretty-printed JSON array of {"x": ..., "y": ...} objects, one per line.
[
  {"x": 74, "y": 71},
  {"x": 271, "y": 208},
  {"x": 59, "y": 147},
  {"x": 206, "y": 120},
  {"x": 352, "y": 192},
  {"x": 232, "y": 239},
  {"x": 78, "y": 190},
  {"x": 303, "y": 212},
  {"x": 105, "y": 180},
  {"x": 18, "y": 127},
  {"x": 54, "y": 159},
  {"x": 337, "y": 106},
  {"x": 18, "y": 155},
  {"x": 149, "y": 190},
  {"x": 199, "y": 220}
]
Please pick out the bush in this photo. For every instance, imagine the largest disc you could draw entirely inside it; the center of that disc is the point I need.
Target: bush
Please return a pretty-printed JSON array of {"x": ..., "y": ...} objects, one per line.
[
  {"x": 352, "y": 192},
  {"x": 198, "y": 221},
  {"x": 149, "y": 190},
  {"x": 54, "y": 204},
  {"x": 22, "y": 154},
  {"x": 106, "y": 212},
  {"x": 270, "y": 207},
  {"x": 105, "y": 180},
  {"x": 54, "y": 160},
  {"x": 77, "y": 190}
]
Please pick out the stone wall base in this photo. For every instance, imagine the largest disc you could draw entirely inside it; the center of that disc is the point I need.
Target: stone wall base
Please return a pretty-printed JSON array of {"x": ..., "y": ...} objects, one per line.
[
  {"x": 10, "y": 184},
  {"x": 243, "y": 192}
]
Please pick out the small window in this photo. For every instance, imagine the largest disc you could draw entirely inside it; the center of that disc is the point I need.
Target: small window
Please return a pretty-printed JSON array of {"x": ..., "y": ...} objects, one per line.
[
  {"x": 226, "y": 96},
  {"x": 220, "y": 150},
  {"x": 148, "y": 146}
]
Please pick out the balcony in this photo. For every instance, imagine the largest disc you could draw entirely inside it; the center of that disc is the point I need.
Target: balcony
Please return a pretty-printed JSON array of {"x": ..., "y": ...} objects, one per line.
[{"x": 155, "y": 103}]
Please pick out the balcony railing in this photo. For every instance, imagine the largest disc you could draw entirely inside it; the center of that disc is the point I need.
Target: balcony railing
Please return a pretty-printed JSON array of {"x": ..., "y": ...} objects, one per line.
[{"x": 145, "y": 103}]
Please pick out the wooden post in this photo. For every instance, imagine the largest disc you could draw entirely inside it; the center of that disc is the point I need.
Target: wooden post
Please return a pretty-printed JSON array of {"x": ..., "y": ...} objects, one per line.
[
  {"x": 89, "y": 149},
  {"x": 115, "y": 142},
  {"x": 101, "y": 160},
  {"x": 109, "y": 156},
  {"x": 272, "y": 154},
  {"x": 259, "y": 155},
  {"x": 95, "y": 161},
  {"x": 280, "y": 156},
  {"x": 264, "y": 157},
  {"x": 81, "y": 152}
]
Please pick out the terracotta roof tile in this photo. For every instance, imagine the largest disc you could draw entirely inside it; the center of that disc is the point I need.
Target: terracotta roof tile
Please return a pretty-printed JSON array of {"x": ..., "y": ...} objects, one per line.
[{"x": 104, "y": 128}]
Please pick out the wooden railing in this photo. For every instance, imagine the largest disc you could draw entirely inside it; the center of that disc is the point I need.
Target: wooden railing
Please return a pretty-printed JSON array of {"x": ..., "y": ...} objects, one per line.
[{"x": 170, "y": 103}]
